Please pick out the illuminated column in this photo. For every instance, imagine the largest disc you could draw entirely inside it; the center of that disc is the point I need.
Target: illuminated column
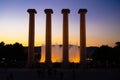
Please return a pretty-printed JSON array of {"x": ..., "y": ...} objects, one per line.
[
  {"x": 48, "y": 13},
  {"x": 65, "y": 13},
  {"x": 32, "y": 13},
  {"x": 82, "y": 13}
]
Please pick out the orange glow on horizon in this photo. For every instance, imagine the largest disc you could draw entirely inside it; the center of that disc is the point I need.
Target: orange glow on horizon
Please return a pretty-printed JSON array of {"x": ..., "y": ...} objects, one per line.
[{"x": 90, "y": 42}]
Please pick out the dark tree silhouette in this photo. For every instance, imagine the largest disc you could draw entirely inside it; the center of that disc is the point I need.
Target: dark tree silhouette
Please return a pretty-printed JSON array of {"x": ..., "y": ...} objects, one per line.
[
  {"x": 2, "y": 44},
  {"x": 18, "y": 50},
  {"x": 106, "y": 55},
  {"x": 12, "y": 54},
  {"x": 117, "y": 44},
  {"x": 1, "y": 49},
  {"x": 116, "y": 53},
  {"x": 103, "y": 55}
]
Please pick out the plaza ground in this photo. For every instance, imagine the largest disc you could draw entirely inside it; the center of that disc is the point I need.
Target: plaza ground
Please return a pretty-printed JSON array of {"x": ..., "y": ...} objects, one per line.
[{"x": 59, "y": 74}]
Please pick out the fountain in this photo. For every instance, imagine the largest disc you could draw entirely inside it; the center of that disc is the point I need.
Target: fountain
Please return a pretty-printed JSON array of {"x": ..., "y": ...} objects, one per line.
[{"x": 57, "y": 55}]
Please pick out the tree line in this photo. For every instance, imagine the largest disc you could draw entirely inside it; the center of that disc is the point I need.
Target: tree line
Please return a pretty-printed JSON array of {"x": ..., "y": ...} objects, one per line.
[
  {"x": 16, "y": 54},
  {"x": 107, "y": 56},
  {"x": 12, "y": 53}
]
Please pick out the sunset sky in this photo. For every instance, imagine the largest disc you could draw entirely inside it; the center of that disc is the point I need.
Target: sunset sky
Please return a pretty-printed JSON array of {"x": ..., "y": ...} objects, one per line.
[{"x": 102, "y": 21}]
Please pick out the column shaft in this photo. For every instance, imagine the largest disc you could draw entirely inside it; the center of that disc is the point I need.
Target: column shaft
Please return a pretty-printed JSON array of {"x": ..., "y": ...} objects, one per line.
[
  {"x": 82, "y": 38},
  {"x": 65, "y": 38},
  {"x": 48, "y": 38},
  {"x": 65, "y": 13},
  {"x": 31, "y": 56},
  {"x": 82, "y": 35},
  {"x": 48, "y": 35}
]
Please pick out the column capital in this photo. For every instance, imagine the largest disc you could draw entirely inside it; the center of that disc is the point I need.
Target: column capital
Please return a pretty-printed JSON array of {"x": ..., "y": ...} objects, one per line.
[
  {"x": 48, "y": 11},
  {"x": 82, "y": 11},
  {"x": 31, "y": 11},
  {"x": 63, "y": 11}
]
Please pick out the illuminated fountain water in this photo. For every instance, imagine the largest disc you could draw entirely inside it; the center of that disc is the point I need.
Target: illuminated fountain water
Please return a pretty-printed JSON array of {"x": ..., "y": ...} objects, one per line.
[
  {"x": 57, "y": 56},
  {"x": 74, "y": 54}
]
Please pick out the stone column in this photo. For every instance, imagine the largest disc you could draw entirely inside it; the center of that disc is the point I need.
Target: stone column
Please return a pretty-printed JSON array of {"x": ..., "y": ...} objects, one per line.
[
  {"x": 65, "y": 13},
  {"x": 48, "y": 13},
  {"x": 82, "y": 13},
  {"x": 31, "y": 61}
]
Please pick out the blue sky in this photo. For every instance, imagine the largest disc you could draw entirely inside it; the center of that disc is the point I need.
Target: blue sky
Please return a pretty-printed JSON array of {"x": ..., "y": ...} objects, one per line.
[{"x": 102, "y": 21}]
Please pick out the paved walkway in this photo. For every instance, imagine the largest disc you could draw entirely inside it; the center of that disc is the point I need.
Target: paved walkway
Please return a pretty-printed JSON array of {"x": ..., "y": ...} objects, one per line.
[{"x": 59, "y": 74}]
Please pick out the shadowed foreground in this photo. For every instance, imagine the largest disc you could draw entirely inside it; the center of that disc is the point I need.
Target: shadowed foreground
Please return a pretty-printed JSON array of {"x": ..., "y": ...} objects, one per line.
[{"x": 59, "y": 74}]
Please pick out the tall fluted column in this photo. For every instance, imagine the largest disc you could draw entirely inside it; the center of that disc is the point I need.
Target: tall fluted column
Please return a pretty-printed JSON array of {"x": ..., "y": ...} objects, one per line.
[
  {"x": 65, "y": 13},
  {"x": 30, "y": 61},
  {"x": 82, "y": 13},
  {"x": 48, "y": 13}
]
